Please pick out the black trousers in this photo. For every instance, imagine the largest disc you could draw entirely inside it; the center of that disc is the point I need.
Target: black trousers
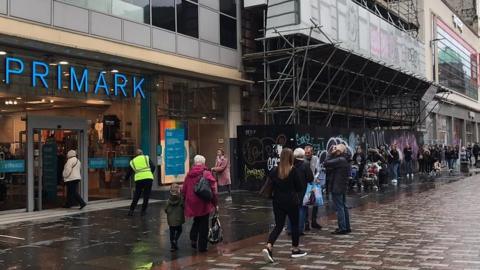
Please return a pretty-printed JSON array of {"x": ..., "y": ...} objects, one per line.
[
  {"x": 281, "y": 211},
  {"x": 314, "y": 216},
  {"x": 199, "y": 232},
  {"x": 72, "y": 194},
  {"x": 145, "y": 187},
  {"x": 175, "y": 232}
]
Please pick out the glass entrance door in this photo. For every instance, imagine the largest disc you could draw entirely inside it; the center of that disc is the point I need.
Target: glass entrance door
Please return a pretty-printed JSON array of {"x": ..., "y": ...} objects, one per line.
[
  {"x": 50, "y": 150},
  {"x": 48, "y": 141}
]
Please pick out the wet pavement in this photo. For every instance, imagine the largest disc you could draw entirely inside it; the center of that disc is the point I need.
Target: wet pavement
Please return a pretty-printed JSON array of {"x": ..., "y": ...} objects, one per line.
[{"x": 426, "y": 224}]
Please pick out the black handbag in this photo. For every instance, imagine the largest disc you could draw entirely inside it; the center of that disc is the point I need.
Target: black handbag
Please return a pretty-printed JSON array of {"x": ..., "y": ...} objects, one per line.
[{"x": 203, "y": 190}]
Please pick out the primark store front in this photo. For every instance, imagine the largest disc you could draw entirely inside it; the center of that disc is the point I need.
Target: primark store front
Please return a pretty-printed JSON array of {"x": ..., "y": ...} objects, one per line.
[{"x": 104, "y": 108}]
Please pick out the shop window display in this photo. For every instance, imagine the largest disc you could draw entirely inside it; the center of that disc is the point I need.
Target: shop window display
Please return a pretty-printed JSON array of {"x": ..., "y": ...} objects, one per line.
[
  {"x": 192, "y": 112},
  {"x": 113, "y": 124}
]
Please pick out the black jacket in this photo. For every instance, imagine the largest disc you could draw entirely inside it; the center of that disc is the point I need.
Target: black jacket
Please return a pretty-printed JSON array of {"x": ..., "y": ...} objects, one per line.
[
  {"x": 285, "y": 191},
  {"x": 394, "y": 156},
  {"x": 476, "y": 149},
  {"x": 407, "y": 154},
  {"x": 338, "y": 172},
  {"x": 304, "y": 173}
]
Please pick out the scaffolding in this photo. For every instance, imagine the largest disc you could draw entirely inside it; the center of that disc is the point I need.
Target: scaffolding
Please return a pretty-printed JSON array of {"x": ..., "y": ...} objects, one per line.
[
  {"x": 401, "y": 13},
  {"x": 305, "y": 81}
]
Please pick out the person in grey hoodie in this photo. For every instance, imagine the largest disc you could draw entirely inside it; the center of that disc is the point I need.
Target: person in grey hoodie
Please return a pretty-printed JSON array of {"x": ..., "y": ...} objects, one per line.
[{"x": 72, "y": 177}]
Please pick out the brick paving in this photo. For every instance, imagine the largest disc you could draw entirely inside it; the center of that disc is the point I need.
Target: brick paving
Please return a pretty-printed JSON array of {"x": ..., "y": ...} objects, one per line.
[{"x": 435, "y": 229}]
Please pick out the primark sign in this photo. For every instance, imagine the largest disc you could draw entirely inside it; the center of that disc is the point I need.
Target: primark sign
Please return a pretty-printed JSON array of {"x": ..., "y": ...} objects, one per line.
[{"x": 77, "y": 81}]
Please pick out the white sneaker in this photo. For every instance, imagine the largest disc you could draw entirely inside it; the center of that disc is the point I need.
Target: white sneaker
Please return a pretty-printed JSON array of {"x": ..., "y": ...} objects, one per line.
[
  {"x": 394, "y": 181},
  {"x": 228, "y": 199},
  {"x": 267, "y": 255}
]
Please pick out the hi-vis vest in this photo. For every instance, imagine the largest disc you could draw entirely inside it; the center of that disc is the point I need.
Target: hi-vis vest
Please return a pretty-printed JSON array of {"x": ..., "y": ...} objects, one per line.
[{"x": 141, "y": 166}]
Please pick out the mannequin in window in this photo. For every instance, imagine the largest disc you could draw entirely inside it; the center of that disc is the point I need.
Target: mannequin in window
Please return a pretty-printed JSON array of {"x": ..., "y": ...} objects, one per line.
[{"x": 99, "y": 129}]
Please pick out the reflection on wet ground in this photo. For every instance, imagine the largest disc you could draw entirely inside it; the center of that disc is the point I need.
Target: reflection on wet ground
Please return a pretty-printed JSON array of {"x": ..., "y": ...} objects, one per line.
[{"x": 108, "y": 239}]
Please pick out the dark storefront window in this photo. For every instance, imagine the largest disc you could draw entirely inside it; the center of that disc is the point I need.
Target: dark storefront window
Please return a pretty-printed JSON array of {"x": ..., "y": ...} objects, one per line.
[
  {"x": 187, "y": 18},
  {"x": 229, "y": 7},
  {"x": 192, "y": 112},
  {"x": 457, "y": 63},
  {"x": 163, "y": 14},
  {"x": 135, "y": 10},
  {"x": 228, "y": 32}
]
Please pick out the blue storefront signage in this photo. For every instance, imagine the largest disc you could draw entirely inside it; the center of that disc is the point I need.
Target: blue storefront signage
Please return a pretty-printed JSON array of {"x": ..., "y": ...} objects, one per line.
[
  {"x": 78, "y": 80},
  {"x": 174, "y": 151},
  {"x": 121, "y": 162},
  {"x": 97, "y": 163},
  {"x": 12, "y": 166}
]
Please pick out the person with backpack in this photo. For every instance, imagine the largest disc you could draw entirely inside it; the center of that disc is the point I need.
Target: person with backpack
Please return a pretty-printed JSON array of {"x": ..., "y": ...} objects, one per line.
[
  {"x": 286, "y": 185},
  {"x": 200, "y": 193},
  {"x": 142, "y": 168}
]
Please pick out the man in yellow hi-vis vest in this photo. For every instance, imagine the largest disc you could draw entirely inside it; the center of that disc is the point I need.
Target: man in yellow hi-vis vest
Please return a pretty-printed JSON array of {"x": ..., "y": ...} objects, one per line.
[{"x": 142, "y": 168}]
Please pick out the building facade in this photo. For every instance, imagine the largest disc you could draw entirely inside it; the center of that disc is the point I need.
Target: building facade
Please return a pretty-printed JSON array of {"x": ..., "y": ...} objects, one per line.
[
  {"x": 451, "y": 36},
  {"x": 105, "y": 77}
]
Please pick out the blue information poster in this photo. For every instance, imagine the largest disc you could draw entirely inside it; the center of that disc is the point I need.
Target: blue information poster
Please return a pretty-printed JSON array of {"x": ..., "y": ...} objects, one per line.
[
  {"x": 121, "y": 162},
  {"x": 97, "y": 163},
  {"x": 174, "y": 151},
  {"x": 12, "y": 166}
]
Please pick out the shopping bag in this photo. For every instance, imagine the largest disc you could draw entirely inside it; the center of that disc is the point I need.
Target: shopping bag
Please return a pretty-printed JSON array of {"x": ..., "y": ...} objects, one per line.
[
  {"x": 313, "y": 190},
  {"x": 215, "y": 234}
]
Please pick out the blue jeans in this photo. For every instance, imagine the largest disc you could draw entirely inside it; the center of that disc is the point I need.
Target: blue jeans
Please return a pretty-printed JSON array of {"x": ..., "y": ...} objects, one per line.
[
  {"x": 302, "y": 213},
  {"x": 339, "y": 199},
  {"x": 450, "y": 164},
  {"x": 394, "y": 167},
  {"x": 409, "y": 167}
]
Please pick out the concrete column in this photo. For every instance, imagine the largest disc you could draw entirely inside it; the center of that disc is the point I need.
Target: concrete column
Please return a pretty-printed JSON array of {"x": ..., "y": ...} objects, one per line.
[
  {"x": 234, "y": 117},
  {"x": 475, "y": 128},
  {"x": 452, "y": 128},
  {"x": 464, "y": 132}
]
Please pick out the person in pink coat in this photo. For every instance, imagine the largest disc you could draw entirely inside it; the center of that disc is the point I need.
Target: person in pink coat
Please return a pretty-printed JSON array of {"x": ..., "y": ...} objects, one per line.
[
  {"x": 222, "y": 171},
  {"x": 197, "y": 208}
]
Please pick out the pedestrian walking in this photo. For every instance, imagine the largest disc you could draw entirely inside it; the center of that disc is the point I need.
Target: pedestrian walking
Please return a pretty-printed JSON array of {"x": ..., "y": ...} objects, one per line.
[
  {"x": 72, "y": 177},
  {"x": 408, "y": 160},
  {"x": 175, "y": 215},
  {"x": 314, "y": 163},
  {"x": 338, "y": 170},
  {"x": 476, "y": 151},
  {"x": 196, "y": 207},
  {"x": 142, "y": 169},
  {"x": 306, "y": 176},
  {"x": 394, "y": 161},
  {"x": 286, "y": 186},
  {"x": 222, "y": 172},
  {"x": 421, "y": 160}
]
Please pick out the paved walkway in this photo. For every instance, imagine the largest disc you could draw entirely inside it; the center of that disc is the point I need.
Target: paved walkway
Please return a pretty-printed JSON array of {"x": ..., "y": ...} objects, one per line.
[
  {"x": 435, "y": 229},
  {"x": 386, "y": 233}
]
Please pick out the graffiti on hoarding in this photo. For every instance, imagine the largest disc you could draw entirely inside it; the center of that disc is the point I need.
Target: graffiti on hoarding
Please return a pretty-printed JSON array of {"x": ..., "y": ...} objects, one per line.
[
  {"x": 254, "y": 174},
  {"x": 302, "y": 140},
  {"x": 256, "y": 150}
]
